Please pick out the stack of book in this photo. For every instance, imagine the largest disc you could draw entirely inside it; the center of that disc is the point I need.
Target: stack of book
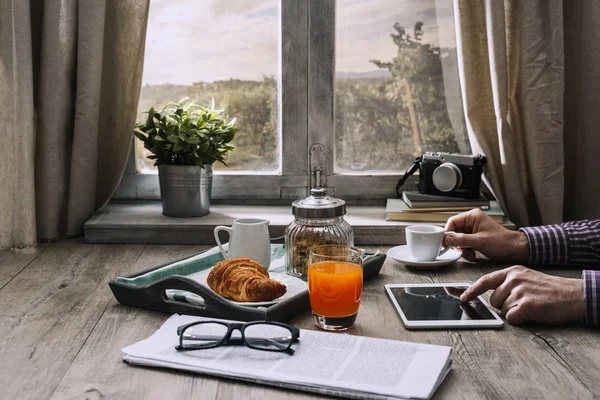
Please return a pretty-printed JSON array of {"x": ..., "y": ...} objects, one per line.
[{"x": 419, "y": 207}]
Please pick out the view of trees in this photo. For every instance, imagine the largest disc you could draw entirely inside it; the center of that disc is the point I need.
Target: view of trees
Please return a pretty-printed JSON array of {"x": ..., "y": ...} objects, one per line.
[
  {"x": 254, "y": 103},
  {"x": 382, "y": 121}
]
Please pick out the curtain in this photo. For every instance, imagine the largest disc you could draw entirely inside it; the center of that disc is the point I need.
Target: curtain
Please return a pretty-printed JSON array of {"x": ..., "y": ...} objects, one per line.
[
  {"x": 582, "y": 109},
  {"x": 512, "y": 74},
  {"x": 70, "y": 79}
]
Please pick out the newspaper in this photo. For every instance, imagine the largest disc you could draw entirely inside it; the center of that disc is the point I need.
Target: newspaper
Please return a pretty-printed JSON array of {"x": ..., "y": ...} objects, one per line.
[{"x": 327, "y": 363}]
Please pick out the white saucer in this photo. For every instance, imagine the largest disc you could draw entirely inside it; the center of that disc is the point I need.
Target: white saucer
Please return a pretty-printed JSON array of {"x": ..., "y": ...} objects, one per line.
[{"x": 402, "y": 255}]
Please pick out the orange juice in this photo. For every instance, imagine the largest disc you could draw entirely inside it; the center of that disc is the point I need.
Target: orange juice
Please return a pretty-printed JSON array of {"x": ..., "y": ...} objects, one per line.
[{"x": 335, "y": 288}]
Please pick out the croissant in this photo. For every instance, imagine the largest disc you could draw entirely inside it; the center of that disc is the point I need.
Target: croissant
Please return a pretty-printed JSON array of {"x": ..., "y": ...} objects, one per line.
[{"x": 243, "y": 279}]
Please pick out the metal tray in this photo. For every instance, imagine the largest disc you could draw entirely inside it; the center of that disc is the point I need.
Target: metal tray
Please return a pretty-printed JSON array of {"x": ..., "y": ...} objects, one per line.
[{"x": 153, "y": 297}]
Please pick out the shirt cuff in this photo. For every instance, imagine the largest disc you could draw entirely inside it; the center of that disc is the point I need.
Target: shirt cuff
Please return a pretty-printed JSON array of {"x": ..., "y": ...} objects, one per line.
[
  {"x": 591, "y": 289},
  {"x": 547, "y": 245}
]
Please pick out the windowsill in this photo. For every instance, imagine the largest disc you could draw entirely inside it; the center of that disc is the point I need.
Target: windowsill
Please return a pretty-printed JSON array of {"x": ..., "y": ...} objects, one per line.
[{"x": 143, "y": 222}]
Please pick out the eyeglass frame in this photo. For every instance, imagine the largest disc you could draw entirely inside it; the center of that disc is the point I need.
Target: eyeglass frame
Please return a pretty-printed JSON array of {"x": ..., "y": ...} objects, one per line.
[{"x": 241, "y": 327}]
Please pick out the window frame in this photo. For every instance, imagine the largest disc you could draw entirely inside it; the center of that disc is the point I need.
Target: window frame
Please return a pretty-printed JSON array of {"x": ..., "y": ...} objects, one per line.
[
  {"x": 306, "y": 99},
  {"x": 293, "y": 181},
  {"x": 321, "y": 116}
]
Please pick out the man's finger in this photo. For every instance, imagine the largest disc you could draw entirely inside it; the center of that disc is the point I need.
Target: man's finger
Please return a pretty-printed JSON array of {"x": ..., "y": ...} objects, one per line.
[
  {"x": 509, "y": 303},
  {"x": 498, "y": 298},
  {"x": 468, "y": 254},
  {"x": 462, "y": 222},
  {"x": 485, "y": 283},
  {"x": 463, "y": 240},
  {"x": 516, "y": 315},
  {"x": 456, "y": 223}
]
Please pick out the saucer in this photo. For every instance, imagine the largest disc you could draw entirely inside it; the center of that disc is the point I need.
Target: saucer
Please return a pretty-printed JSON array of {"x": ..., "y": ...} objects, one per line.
[{"x": 402, "y": 255}]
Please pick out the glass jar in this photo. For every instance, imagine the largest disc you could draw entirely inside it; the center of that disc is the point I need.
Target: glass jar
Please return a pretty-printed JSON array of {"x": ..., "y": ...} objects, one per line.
[{"x": 318, "y": 220}]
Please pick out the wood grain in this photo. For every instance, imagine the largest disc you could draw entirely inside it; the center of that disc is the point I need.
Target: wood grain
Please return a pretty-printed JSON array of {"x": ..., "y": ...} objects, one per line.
[
  {"x": 294, "y": 86},
  {"x": 49, "y": 310},
  {"x": 13, "y": 261},
  {"x": 515, "y": 349},
  {"x": 98, "y": 369},
  {"x": 62, "y": 332},
  {"x": 321, "y": 75}
]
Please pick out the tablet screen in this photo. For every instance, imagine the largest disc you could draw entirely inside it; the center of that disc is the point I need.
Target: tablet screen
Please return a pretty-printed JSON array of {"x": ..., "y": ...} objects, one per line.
[{"x": 438, "y": 303}]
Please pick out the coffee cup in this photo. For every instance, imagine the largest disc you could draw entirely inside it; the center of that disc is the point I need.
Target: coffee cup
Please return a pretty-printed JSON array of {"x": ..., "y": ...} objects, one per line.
[
  {"x": 425, "y": 242},
  {"x": 248, "y": 237}
]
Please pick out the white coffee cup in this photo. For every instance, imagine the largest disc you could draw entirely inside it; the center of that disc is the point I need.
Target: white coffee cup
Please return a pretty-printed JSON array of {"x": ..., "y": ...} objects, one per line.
[
  {"x": 425, "y": 242},
  {"x": 248, "y": 237}
]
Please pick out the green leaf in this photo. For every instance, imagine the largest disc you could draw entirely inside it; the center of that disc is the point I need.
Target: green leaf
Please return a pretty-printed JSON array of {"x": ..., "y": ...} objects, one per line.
[
  {"x": 187, "y": 134},
  {"x": 140, "y": 136},
  {"x": 178, "y": 146},
  {"x": 150, "y": 120},
  {"x": 203, "y": 147},
  {"x": 228, "y": 137}
]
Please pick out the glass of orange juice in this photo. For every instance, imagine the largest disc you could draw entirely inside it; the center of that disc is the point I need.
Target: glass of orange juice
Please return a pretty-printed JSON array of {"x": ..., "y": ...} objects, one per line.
[{"x": 335, "y": 280}]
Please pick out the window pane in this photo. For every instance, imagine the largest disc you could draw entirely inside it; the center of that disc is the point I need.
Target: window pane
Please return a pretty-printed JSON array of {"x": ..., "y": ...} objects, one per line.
[
  {"x": 396, "y": 91},
  {"x": 226, "y": 50}
]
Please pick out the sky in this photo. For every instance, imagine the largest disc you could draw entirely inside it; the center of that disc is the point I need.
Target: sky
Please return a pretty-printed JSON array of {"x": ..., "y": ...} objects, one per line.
[{"x": 203, "y": 41}]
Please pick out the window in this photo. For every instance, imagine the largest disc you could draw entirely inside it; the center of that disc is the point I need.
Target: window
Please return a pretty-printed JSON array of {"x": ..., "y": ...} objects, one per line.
[
  {"x": 227, "y": 51},
  {"x": 342, "y": 94},
  {"x": 390, "y": 97}
]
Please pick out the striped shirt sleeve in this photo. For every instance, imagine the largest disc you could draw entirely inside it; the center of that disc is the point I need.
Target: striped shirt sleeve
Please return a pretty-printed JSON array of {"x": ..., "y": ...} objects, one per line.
[
  {"x": 575, "y": 244},
  {"x": 591, "y": 288}
]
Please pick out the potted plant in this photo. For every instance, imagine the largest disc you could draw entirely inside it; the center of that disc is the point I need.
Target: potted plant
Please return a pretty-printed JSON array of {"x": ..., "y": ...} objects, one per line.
[{"x": 185, "y": 141}]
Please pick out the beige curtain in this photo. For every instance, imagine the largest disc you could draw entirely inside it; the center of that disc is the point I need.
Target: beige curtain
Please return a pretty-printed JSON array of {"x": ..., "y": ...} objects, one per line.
[
  {"x": 70, "y": 78},
  {"x": 582, "y": 109},
  {"x": 511, "y": 67}
]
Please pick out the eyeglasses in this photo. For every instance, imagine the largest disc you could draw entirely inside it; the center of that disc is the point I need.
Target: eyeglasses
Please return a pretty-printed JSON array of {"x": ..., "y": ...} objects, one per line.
[{"x": 259, "y": 335}]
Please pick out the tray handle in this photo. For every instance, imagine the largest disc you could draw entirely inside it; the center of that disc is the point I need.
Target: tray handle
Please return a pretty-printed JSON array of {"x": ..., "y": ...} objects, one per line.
[{"x": 214, "y": 305}]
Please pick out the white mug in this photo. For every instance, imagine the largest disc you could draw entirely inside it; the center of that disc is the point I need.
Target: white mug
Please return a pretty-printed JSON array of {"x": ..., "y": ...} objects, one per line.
[
  {"x": 425, "y": 242},
  {"x": 248, "y": 237}
]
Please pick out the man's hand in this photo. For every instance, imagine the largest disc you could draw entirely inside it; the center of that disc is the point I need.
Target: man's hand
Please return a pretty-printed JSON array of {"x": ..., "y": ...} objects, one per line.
[
  {"x": 478, "y": 231},
  {"x": 526, "y": 295}
]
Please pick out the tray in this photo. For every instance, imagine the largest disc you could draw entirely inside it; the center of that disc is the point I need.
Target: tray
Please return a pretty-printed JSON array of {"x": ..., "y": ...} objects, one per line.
[{"x": 168, "y": 288}]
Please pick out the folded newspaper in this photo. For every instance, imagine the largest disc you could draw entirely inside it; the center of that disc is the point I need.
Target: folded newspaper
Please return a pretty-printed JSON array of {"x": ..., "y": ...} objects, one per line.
[{"x": 327, "y": 363}]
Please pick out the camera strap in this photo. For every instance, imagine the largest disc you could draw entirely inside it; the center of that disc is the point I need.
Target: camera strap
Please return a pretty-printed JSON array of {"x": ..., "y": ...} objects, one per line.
[{"x": 411, "y": 170}]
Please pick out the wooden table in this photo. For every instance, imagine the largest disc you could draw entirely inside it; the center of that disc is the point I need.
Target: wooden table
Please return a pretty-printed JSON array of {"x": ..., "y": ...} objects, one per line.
[{"x": 61, "y": 332}]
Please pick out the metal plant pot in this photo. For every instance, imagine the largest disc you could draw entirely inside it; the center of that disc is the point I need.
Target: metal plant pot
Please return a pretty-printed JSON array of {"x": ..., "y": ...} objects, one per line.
[{"x": 185, "y": 189}]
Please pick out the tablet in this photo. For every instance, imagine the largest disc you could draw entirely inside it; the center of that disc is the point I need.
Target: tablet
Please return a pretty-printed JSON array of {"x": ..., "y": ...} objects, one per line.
[{"x": 438, "y": 306}]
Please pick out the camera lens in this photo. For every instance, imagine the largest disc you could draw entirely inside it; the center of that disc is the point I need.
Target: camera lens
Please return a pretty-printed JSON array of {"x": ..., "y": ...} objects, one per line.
[{"x": 447, "y": 177}]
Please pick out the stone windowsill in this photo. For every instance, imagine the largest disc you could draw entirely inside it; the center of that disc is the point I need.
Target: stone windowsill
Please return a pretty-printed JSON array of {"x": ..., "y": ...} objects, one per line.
[{"x": 143, "y": 222}]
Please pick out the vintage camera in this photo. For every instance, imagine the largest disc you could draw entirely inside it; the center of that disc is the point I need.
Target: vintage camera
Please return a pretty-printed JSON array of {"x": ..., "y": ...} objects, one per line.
[{"x": 447, "y": 174}]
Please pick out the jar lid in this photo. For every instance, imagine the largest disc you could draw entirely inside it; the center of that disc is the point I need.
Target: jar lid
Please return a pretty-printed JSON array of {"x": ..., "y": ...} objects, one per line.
[{"x": 319, "y": 205}]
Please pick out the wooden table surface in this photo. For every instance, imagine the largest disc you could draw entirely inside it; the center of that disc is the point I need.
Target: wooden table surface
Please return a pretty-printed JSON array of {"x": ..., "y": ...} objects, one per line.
[{"x": 61, "y": 334}]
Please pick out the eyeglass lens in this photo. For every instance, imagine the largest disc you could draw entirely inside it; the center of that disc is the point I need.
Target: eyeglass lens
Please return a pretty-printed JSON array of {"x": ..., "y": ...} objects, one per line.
[
  {"x": 268, "y": 337},
  {"x": 203, "y": 335},
  {"x": 258, "y": 336}
]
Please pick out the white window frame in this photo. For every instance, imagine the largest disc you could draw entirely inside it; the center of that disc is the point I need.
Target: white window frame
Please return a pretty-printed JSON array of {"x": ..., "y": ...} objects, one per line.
[
  {"x": 321, "y": 115},
  {"x": 292, "y": 182},
  {"x": 306, "y": 120}
]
